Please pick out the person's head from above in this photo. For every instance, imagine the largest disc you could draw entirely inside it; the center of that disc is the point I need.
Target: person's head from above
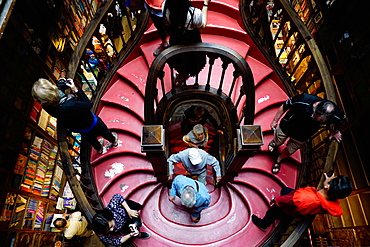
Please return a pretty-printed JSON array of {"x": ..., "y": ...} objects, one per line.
[
  {"x": 45, "y": 92},
  {"x": 103, "y": 222},
  {"x": 60, "y": 223},
  {"x": 338, "y": 187},
  {"x": 198, "y": 131},
  {"x": 324, "y": 111},
  {"x": 194, "y": 156},
  {"x": 198, "y": 112},
  {"x": 188, "y": 197}
]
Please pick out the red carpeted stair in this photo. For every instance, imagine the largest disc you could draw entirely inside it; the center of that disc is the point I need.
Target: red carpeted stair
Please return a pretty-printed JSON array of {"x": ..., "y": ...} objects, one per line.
[{"x": 125, "y": 169}]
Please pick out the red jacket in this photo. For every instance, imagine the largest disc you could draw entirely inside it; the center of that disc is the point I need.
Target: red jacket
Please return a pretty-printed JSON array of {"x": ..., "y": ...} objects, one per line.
[
  {"x": 155, "y": 4},
  {"x": 307, "y": 201}
]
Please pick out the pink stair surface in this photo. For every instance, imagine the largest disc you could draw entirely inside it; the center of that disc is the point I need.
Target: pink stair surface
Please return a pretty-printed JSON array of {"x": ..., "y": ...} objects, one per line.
[{"x": 125, "y": 169}]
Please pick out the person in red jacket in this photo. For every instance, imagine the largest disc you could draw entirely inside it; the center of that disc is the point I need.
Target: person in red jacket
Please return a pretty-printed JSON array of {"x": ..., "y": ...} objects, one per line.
[{"x": 307, "y": 201}]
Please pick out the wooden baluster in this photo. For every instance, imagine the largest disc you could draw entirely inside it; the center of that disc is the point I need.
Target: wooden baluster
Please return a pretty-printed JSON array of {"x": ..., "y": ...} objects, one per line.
[
  {"x": 196, "y": 84},
  {"x": 236, "y": 75},
  {"x": 161, "y": 78},
  {"x": 212, "y": 59},
  {"x": 225, "y": 64}
]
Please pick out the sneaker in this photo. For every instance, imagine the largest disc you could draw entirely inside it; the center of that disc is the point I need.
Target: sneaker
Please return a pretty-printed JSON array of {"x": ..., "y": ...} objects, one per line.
[
  {"x": 257, "y": 222},
  {"x": 195, "y": 220},
  {"x": 161, "y": 48},
  {"x": 115, "y": 144},
  {"x": 101, "y": 141},
  {"x": 144, "y": 235}
]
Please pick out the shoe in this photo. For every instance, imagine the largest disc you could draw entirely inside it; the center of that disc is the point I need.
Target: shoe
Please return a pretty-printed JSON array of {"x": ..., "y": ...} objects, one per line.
[
  {"x": 144, "y": 235},
  {"x": 100, "y": 151},
  {"x": 257, "y": 222},
  {"x": 115, "y": 144},
  {"x": 271, "y": 146},
  {"x": 195, "y": 220},
  {"x": 276, "y": 167},
  {"x": 161, "y": 48}
]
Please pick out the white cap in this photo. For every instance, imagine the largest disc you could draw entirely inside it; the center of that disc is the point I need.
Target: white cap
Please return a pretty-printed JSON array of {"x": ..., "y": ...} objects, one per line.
[{"x": 194, "y": 156}]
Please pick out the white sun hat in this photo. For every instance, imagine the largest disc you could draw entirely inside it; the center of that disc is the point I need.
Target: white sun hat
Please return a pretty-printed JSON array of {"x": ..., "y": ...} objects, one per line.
[{"x": 194, "y": 156}]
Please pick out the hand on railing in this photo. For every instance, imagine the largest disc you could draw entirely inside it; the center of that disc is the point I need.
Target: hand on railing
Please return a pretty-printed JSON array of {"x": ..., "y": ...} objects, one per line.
[{"x": 336, "y": 135}]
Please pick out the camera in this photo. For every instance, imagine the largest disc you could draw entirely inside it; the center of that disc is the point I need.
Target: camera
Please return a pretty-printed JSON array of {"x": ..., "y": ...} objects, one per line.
[
  {"x": 62, "y": 84},
  {"x": 133, "y": 228}
]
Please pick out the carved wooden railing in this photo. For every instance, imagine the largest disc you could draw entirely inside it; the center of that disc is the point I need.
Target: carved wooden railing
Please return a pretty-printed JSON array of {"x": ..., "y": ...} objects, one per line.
[
  {"x": 291, "y": 49},
  {"x": 234, "y": 106},
  {"x": 82, "y": 183}
]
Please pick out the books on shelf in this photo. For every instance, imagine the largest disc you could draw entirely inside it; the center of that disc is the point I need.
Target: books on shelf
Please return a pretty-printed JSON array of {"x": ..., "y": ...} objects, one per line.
[
  {"x": 36, "y": 108},
  {"x": 43, "y": 119},
  {"x": 56, "y": 182},
  {"x": 49, "y": 174},
  {"x": 20, "y": 164},
  {"x": 52, "y": 127}
]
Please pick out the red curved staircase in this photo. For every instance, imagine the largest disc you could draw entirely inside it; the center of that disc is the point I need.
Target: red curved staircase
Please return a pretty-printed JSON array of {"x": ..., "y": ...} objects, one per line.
[{"x": 125, "y": 169}]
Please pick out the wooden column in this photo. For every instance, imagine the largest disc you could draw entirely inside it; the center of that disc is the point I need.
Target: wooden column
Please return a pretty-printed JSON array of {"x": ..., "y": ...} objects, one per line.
[
  {"x": 249, "y": 139},
  {"x": 153, "y": 144}
]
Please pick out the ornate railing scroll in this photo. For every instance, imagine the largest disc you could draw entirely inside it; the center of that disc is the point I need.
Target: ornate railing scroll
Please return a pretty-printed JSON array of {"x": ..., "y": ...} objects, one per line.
[
  {"x": 93, "y": 83},
  {"x": 160, "y": 89},
  {"x": 291, "y": 48}
]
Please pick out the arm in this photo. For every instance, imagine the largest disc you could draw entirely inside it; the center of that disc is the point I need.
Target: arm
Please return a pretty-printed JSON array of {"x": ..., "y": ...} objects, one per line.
[
  {"x": 278, "y": 115},
  {"x": 131, "y": 213},
  {"x": 174, "y": 188},
  {"x": 216, "y": 166},
  {"x": 339, "y": 118},
  {"x": 187, "y": 140},
  {"x": 204, "y": 14},
  {"x": 173, "y": 159},
  {"x": 80, "y": 95},
  {"x": 213, "y": 121},
  {"x": 114, "y": 240}
]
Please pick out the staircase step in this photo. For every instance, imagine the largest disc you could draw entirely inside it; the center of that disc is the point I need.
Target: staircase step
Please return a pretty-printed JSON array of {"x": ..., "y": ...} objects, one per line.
[
  {"x": 125, "y": 96},
  {"x": 263, "y": 162},
  {"x": 267, "y": 94},
  {"x": 107, "y": 171},
  {"x": 121, "y": 119},
  {"x": 135, "y": 72},
  {"x": 127, "y": 144},
  {"x": 265, "y": 117},
  {"x": 172, "y": 229},
  {"x": 127, "y": 184}
]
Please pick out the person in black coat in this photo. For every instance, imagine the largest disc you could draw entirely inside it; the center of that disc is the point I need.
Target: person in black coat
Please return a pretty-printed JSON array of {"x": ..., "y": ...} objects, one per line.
[
  {"x": 73, "y": 111},
  {"x": 197, "y": 115}
]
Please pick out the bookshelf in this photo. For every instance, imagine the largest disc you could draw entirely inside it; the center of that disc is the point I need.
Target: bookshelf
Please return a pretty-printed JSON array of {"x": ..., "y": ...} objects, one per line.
[{"x": 38, "y": 41}]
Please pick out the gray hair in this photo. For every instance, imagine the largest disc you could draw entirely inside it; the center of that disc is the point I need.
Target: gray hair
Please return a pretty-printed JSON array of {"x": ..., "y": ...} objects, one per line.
[
  {"x": 198, "y": 128},
  {"x": 45, "y": 92},
  {"x": 188, "y": 197}
]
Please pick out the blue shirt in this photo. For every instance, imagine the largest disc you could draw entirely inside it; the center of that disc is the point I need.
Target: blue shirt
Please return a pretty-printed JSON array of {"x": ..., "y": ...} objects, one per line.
[
  {"x": 183, "y": 157},
  {"x": 203, "y": 198}
]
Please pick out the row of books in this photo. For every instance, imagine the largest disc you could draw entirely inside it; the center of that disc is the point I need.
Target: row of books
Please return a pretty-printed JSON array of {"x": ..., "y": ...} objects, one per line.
[
  {"x": 42, "y": 167},
  {"x": 30, "y": 171},
  {"x": 39, "y": 170},
  {"x": 49, "y": 174},
  {"x": 56, "y": 181}
]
